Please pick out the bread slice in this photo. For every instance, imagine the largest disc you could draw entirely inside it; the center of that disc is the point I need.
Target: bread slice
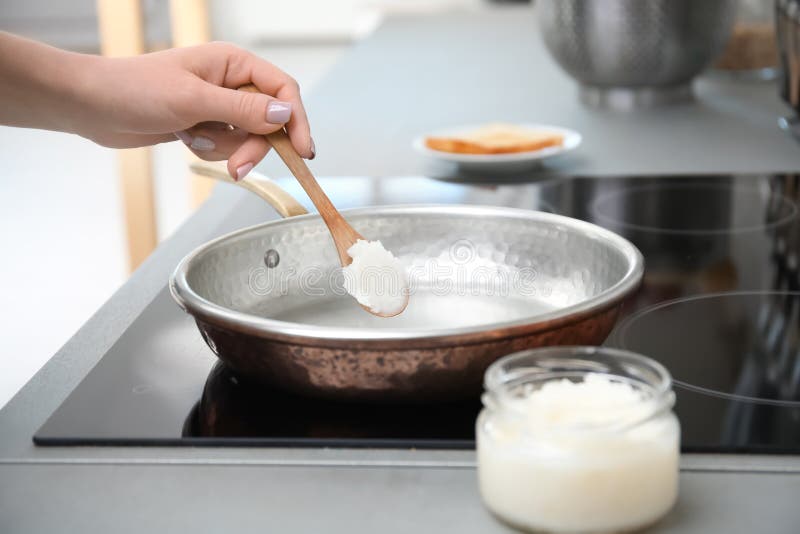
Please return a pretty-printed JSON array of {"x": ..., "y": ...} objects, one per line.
[{"x": 496, "y": 139}]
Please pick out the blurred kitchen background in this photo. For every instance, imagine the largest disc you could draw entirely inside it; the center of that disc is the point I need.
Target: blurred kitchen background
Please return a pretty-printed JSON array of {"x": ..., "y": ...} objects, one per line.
[{"x": 61, "y": 196}]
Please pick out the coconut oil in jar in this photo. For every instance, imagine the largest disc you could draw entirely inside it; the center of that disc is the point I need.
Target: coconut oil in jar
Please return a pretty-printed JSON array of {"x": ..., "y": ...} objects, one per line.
[{"x": 578, "y": 440}]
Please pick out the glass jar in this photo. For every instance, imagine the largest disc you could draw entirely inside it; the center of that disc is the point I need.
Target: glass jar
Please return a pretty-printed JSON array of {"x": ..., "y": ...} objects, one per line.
[
  {"x": 752, "y": 49},
  {"x": 578, "y": 457}
]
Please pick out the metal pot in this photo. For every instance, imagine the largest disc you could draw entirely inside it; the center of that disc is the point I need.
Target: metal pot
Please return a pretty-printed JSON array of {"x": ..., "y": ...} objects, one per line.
[
  {"x": 630, "y": 53},
  {"x": 486, "y": 281}
]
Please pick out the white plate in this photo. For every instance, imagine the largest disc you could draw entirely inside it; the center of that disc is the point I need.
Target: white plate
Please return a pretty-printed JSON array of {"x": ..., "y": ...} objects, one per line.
[{"x": 499, "y": 162}]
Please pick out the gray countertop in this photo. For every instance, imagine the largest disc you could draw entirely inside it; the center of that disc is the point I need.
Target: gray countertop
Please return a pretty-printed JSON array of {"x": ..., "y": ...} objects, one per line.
[
  {"x": 420, "y": 74},
  {"x": 135, "y": 489}
]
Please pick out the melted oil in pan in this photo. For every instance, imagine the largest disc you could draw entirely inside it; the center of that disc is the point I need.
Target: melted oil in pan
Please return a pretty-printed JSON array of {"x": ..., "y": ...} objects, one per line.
[{"x": 426, "y": 310}]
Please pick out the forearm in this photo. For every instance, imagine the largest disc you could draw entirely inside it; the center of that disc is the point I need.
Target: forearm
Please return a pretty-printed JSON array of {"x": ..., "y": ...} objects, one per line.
[
  {"x": 42, "y": 86},
  {"x": 148, "y": 99}
]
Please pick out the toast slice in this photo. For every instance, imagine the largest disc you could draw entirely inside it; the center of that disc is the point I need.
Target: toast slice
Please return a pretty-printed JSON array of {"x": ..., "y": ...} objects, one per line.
[{"x": 496, "y": 139}]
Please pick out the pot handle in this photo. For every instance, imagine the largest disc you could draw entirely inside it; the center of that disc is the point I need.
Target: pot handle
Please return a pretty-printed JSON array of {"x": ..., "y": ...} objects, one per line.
[{"x": 284, "y": 203}]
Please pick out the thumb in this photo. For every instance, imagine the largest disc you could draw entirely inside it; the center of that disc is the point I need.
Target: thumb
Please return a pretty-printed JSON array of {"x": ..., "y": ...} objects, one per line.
[{"x": 254, "y": 112}]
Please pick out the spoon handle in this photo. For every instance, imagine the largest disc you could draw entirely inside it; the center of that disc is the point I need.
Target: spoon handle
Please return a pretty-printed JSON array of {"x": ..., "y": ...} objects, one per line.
[{"x": 343, "y": 234}]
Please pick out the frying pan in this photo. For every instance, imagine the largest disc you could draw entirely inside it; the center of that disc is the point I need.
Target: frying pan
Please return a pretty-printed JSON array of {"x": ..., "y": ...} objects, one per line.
[{"x": 484, "y": 282}]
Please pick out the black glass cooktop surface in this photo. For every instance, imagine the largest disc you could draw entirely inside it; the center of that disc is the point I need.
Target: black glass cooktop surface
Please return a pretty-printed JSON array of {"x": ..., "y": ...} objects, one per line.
[{"x": 719, "y": 306}]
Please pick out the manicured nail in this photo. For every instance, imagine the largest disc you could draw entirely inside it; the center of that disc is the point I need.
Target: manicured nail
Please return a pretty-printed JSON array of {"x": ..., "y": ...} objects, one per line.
[
  {"x": 203, "y": 144},
  {"x": 312, "y": 149},
  {"x": 184, "y": 136},
  {"x": 279, "y": 112},
  {"x": 242, "y": 171}
]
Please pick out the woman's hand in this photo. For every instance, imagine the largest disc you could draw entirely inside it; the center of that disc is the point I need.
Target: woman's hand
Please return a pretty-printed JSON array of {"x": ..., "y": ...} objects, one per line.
[{"x": 188, "y": 93}]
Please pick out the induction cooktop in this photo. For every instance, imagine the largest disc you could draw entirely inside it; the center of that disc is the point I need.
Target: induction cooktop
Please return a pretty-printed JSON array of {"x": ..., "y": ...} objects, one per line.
[{"x": 719, "y": 307}]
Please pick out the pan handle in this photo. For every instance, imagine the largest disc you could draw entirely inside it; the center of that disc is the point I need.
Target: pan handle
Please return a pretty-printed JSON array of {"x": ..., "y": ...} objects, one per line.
[{"x": 284, "y": 203}]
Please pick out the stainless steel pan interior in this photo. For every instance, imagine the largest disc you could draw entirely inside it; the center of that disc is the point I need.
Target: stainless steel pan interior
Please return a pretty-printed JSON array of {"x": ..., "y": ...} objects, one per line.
[{"x": 486, "y": 281}]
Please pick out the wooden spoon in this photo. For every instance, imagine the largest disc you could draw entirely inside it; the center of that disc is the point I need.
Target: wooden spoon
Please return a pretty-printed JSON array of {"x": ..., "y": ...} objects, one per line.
[{"x": 344, "y": 236}]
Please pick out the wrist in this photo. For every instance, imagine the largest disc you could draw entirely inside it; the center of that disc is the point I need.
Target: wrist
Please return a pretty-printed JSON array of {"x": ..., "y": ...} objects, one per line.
[
  {"x": 42, "y": 86},
  {"x": 75, "y": 82}
]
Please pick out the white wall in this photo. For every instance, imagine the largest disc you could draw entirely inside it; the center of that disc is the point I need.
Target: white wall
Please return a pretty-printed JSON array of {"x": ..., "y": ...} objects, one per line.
[{"x": 72, "y": 23}]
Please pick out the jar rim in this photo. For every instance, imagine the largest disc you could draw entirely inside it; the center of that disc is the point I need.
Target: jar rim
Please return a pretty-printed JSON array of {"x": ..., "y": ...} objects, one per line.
[{"x": 554, "y": 362}]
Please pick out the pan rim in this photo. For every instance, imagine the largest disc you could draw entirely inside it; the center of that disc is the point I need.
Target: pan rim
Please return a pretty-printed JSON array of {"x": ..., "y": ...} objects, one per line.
[{"x": 221, "y": 316}]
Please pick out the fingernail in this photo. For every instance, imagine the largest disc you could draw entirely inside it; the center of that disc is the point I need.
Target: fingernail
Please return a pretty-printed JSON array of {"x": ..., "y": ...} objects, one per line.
[
  {"x": 203, "y": 144},
  {"x": 313, "y": 149},
  {"x": 279, "y": 112},
  {"x": 242, "y": 171},
  {"x": 184, "y": 136}
]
